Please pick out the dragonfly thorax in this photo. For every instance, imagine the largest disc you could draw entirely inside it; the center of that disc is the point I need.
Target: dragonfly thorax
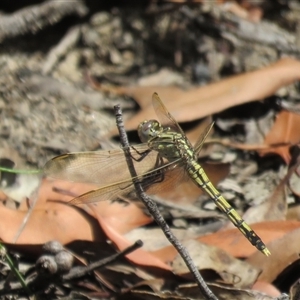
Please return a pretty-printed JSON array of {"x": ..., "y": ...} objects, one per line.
[{"x": 148, "y": 130}]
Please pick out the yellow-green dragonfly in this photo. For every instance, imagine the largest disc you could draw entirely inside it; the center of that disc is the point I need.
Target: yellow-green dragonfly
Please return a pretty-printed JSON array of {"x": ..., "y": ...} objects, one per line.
[{"x": 164, "y": 158}]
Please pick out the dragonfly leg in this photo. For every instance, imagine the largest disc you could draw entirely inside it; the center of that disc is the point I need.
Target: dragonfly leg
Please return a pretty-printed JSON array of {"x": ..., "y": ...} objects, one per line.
[{"x": 142, "y": 154}]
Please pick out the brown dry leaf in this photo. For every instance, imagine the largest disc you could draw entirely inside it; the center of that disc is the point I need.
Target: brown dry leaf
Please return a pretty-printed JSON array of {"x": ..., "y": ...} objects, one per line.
[
  {"x": 139, "y": 257},
  {"x": 233, "y": 242},
  {"x": 200, "y": 102},
  {"x": 53, "y": 220},
  {"x": 231, "y": 270},
  {"x": 284, "y": 131},
  {"x": 49, "y": 220},
  {"x": 284, "y": 252},
  {"x": 122, "y": 216},
  {"x": 114, "y": 218},
  {"x": 66, "y": 191}
]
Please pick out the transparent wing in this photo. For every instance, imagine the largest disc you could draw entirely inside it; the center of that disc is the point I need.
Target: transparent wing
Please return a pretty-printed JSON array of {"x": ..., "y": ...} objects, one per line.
[
  {"x": 99, "y": 167},
  {"x": 199, "y": 144},
  {"x": 108, "y": 192},
  {"x": 164, "y": 116},
  {"x": 109, "y": 170},
  {"x": 160, "y": 179}
]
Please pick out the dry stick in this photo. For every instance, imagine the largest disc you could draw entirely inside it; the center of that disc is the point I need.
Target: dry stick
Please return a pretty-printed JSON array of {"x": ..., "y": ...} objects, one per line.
[
  {"x": 155, "y": 213},
  {"x": 57, "y": 52},
  {"x": 34, "y": 18},
  {"x": 81, "y": 271}
]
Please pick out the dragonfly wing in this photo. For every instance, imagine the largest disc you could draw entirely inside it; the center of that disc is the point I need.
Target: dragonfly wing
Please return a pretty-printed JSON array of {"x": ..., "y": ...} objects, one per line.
[
  {"x": 202, "y": 138},
  {"x": 172, "y": 175},
  {"x": 109, "y": 192},
  {"x": 99, "y": 167},
  {"x": 153, "y": 181},
  {"x": 164, "y": 116}
]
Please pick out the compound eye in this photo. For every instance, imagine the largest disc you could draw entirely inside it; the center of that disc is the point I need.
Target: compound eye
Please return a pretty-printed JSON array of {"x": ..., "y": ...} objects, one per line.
[{"x": 148, "y": 130}]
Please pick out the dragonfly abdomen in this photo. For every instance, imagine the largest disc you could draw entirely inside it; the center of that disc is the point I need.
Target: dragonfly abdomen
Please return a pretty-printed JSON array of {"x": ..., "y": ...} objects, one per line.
[{"x": 199, "y": 177}]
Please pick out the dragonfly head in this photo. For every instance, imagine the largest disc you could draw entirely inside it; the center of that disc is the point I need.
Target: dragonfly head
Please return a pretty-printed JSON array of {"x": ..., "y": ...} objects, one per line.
[{"x": 148, "y": 130}]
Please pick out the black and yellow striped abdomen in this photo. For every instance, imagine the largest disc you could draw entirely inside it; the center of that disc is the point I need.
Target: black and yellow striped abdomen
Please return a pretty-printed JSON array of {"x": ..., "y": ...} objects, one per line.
[{"x": 197, "y": 174}]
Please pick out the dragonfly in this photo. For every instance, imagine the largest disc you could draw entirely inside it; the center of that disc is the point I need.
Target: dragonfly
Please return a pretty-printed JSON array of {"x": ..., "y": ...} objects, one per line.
[{"x": 163, "y": 160}]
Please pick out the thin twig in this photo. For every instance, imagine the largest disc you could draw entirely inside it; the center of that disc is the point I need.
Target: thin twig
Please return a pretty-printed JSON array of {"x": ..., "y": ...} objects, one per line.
[
  {"x": 33, "y": 201},
  {"x": 155, "y": 213},
  {"x": 60, "y": 50},
  {"x": 79, "y": 272}
]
